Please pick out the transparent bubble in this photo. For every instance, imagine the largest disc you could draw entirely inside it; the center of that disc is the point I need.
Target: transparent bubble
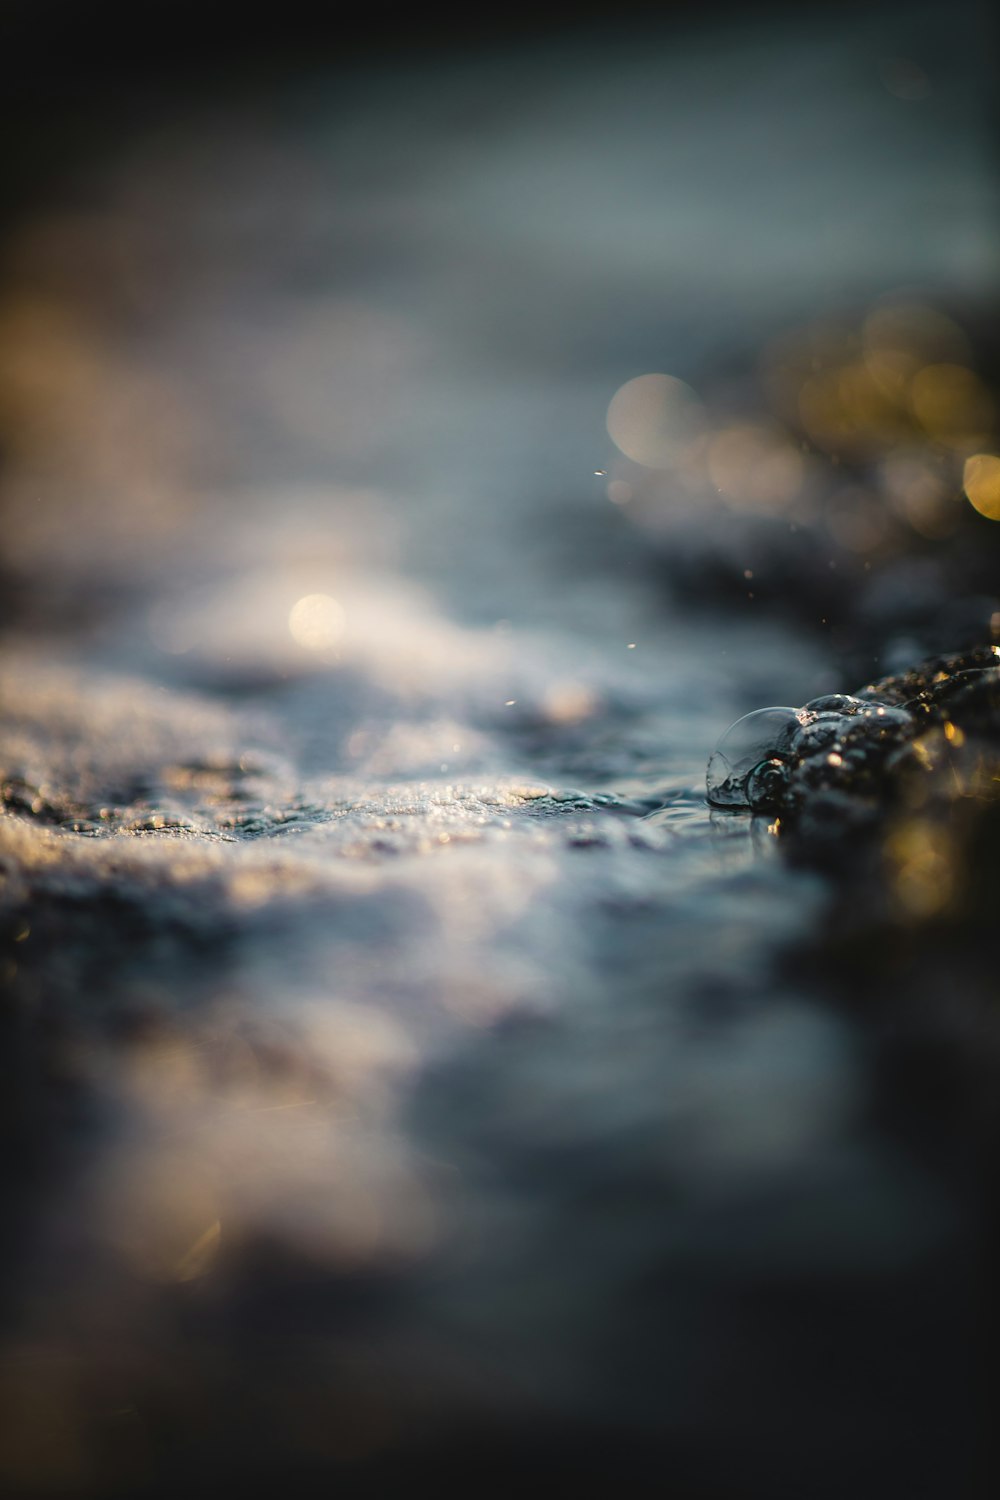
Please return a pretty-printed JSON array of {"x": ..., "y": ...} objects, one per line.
[
  {"x": 765, "y": 783},
  {"x": 748, "y": 760}
]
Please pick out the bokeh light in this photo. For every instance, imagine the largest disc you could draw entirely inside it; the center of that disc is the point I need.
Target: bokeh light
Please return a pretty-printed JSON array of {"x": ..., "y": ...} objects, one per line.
[
  {"x": 755, "y": 465},
  {"x": 981, "y": 481},
  {"x": 654, "y": 418},
  {"x": 316, "y": 622}
]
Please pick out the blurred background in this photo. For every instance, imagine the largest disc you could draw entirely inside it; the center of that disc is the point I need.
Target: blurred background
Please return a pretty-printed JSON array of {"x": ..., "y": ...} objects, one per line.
[{"x": 420, "y": 437}]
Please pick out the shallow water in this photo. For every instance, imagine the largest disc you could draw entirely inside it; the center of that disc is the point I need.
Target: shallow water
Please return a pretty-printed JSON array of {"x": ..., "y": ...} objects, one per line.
[{"x": 404, "y": 1062}]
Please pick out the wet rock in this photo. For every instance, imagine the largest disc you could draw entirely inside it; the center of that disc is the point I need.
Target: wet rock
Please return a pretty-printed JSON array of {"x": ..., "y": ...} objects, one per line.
[{"x": 842, "y": 763}]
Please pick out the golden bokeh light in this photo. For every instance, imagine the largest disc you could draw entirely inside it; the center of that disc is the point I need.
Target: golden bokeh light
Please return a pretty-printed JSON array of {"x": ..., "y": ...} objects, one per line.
[
  {"x": 846, "y": 410},
  {"x": 923, "y": 868},
  {"x": 653, "y": 419},
  {"x": 914, "y": 331},
  {"x": 891, "y": 370},
  {"x": 981, "y": 482},
  {"x": 951, "y": 403},
  {"x": 903, "y": 376}
]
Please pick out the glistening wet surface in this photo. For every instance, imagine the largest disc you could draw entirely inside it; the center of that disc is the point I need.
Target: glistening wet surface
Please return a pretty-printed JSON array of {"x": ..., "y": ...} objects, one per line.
[{"x": 408, "y": 1074}]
